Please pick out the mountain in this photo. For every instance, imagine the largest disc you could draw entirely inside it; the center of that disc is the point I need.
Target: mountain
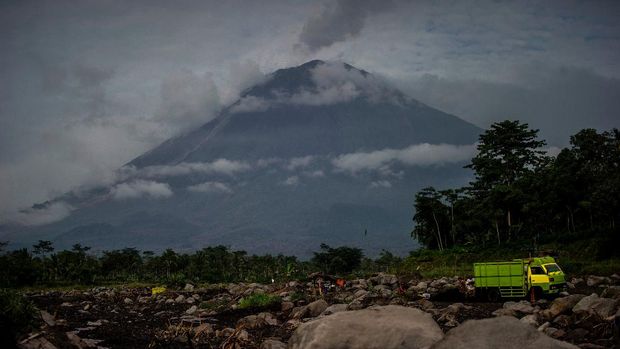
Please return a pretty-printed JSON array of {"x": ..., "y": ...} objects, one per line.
[{"x": 321, "y": 152}]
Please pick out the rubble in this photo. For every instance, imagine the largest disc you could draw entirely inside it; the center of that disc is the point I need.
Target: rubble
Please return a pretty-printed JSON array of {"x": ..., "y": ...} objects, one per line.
[{"x": 195, "y": 316}]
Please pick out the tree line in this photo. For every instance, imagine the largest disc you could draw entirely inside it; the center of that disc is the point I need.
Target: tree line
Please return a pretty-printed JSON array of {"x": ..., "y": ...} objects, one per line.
[
  {"x": 42, "y": 265},
  {"x": 520, "y": 194}
]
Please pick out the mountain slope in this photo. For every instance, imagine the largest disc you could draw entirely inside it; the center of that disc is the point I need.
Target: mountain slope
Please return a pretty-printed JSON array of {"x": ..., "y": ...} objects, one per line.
[{"x": 322, "y": 152}]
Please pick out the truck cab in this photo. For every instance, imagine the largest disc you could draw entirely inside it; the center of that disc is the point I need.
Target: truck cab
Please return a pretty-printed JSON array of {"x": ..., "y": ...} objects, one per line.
[{"x": 544, "y": 276}]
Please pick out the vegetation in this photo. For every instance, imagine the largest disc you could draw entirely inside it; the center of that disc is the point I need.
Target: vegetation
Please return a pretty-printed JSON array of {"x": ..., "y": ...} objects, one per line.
[
  {"x": 522, "y": 196},
  {"x": 217, "y": 264},
  {"x": 259, "y": 300},
  {"x": 341, "y": 260},
  {"x": 17, "y": 315}
]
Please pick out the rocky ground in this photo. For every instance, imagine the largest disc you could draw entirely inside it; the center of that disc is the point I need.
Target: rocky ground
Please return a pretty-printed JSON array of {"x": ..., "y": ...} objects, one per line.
[{"x": 378, "y": 312}]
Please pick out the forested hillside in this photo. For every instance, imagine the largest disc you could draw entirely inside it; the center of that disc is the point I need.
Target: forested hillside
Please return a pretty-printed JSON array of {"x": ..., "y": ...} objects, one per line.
[{"x": 522, "y": 195}]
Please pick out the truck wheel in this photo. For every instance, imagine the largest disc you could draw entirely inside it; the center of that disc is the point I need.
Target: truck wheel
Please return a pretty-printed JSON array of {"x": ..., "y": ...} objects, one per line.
[{"x": 493, "y": 295}]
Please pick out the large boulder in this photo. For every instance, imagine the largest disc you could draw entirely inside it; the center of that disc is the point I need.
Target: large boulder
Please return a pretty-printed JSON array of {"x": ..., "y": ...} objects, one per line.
[
  {"x": 502, "y": 332},
  {"x": 384, "y": 327},
  {"x": 562, "y": 305},
  {"x": 593, "y": 304}
]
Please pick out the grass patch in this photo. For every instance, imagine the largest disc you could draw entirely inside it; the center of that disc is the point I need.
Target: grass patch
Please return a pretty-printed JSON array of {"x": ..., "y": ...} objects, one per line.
[
  {"x": 297, "y": 296},
  {"x": 214, "y": 304},
  {"x": 259, "y": 300},
  {"x": 17, "y": 315}
]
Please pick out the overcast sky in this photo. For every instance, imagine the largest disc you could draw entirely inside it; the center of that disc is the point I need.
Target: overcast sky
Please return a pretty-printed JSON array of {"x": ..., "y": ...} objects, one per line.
[{"x": 85, "y": 86}]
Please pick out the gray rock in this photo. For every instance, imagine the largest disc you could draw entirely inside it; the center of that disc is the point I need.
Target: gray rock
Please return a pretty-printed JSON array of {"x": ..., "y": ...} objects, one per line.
[
  {"x": 48, "y": 318},
  {"x": 335, "y": 308},
  {"x": 593, "y": 304},
  {"x": 272, "y": 344},
  {"x": 360, "y": 293},
  {"x": 286, "y": 306},
  {"x": 180, "y": 299},
  {"x": 562, "y": 305},
  {"x": 502, "y": 332},
  {"x": 271, "y": 319},
  {"x": 373, "y": 328},
  {"x": 243, "y": 336},
  {"x": 356, "y": 305},
  {"x": 522, "y": 307},
  {"x": 191, "y": 310},
  {"x": 127, "y": 301},
  {"x": 252, "y": 322},
  {"x": 544, "y": 326},
  {"x": 563, "y": 320},
  {"x": 298, "y": 312},
  {"x": 425, "y": 304},
  {"x": 504, "y": 312},
  {"x": 315, "y": 308},
  {"x": 576, "y": 281},
  {"x": 188, "y": 287},
  {"x": 554, "y": 332},
  {"x": 611, "y": 292},
  {"x": 594, "y": 281}
]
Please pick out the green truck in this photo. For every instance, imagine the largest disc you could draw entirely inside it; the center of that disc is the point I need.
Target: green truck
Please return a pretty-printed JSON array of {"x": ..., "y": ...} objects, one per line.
[{"x": 536, "y": 277}]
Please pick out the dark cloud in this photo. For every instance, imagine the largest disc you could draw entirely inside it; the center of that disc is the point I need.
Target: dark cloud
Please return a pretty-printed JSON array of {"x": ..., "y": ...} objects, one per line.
[
  {"x": 339, "y": 21},
  {"x": 87, "y": 86},
  {"x": 558, "y": 100}
]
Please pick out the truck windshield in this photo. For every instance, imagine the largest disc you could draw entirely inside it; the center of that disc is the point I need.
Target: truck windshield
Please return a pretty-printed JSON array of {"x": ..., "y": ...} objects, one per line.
[{"x": 552, "y": 268}]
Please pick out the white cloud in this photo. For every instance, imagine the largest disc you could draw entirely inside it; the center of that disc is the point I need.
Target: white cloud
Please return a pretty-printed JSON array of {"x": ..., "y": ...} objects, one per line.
[
  {"x": 334, "y": 83},
  {"x": 139, "y": 189},
  {"x": 219, "y": 166},
  {"x": 553, "y": 151},
  {"x": 188, "y": 99},
  {"x": 291, "y": 181},
  {"x": 210, "y": 187},
  {"x": 381, "y": 184},
  {"x": 299, "y": 162},
  {"x": 423, "y": 154},
  {"x": 326, "y": 95},
  {"x": 315, "y": 174},
  {"x": 47, "y": 213}
]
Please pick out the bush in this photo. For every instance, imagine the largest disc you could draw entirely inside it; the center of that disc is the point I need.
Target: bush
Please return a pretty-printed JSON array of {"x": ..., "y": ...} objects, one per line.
[
  {"x": 17, "y": 315},
  {"x": 259, "y": 300}
]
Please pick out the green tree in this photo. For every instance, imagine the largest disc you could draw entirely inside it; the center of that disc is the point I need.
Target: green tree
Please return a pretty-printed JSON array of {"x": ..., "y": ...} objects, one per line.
[
  {"x": 507, "y": 152},
  {"x": 340, "y": 260},
  {"x": 42, "y": 247},
  {"x": 431, "y": 218}
]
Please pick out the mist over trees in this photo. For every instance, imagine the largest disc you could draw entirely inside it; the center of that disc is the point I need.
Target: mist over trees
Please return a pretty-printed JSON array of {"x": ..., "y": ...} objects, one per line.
[{"x": 519, "y": 194}]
